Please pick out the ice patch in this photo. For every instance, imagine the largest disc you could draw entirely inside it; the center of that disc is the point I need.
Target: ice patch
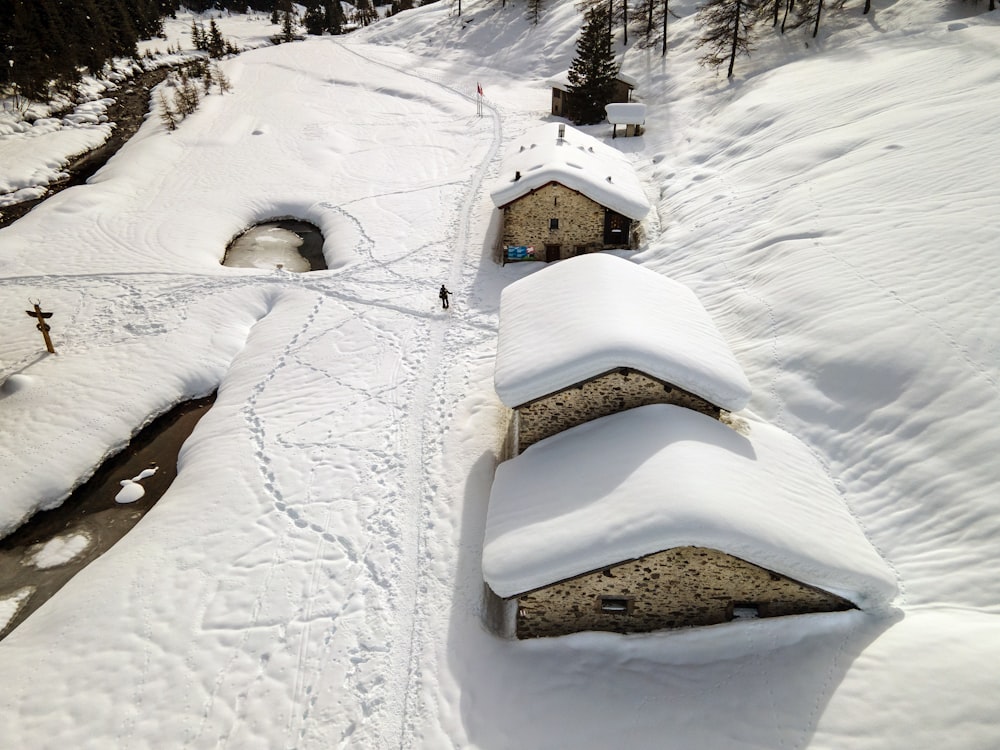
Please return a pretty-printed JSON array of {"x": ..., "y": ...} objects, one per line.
[{"x": 59, "y": 550}]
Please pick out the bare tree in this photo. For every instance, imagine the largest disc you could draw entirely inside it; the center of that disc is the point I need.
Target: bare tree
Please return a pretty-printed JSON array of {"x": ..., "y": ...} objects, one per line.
[
  {"x": 534, "y": 11},
  {"x": 727, "y": 28}
]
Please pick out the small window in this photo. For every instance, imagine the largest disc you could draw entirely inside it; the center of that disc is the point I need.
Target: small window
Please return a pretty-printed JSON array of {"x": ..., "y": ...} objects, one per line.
[
  {"x": 616, "y": 605},
  {"x": 745, "y": 611},
  {"x": 553, "y": 223}
]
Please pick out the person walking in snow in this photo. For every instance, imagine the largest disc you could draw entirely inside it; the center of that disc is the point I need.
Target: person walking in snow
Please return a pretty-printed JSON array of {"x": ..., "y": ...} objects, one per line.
[{"x": 443, "y": 294}]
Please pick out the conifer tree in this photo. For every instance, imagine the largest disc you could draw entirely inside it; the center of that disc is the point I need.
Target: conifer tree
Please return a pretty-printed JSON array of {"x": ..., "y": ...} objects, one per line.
[
  {"x": 197, "y": 35},
  {"x": 225, "y": 86},
  {"x": 592, "y": 74},
  {"x": 168, "y": 115},
  {"x": 215, "y": 44},
  {"x": 287, "y": 23},
  {"x": 727, "y": 28},
  {"x": 315, "y": 18},
  {"x": 365, "y": 13},
  {"x": 334, "y": 16}
]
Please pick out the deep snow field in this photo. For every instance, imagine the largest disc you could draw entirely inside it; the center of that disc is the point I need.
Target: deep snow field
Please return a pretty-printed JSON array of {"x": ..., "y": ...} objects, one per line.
[{"x": 313, "y": 577}]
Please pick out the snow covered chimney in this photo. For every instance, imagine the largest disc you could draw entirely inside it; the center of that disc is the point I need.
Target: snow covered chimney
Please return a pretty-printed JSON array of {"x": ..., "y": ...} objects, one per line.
[{"x": 562, "y": 131}]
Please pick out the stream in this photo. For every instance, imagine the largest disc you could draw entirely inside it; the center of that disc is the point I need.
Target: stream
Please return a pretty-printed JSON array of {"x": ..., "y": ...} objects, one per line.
[{"x": 40, "y": 557}]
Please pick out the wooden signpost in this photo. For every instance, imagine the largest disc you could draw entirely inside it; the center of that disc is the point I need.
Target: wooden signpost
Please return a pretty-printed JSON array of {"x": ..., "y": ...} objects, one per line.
[{"x": 42, "y": 325}]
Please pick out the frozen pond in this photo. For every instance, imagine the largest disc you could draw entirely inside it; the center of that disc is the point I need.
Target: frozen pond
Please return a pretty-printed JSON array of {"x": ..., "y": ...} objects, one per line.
[
  {"x": 40, "y": 557},
  {"x": 289, "y": 244}
]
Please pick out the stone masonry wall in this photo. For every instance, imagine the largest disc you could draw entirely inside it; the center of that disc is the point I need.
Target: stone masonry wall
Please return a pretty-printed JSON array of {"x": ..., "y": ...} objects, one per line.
[
  {"x": 606, "y": 394},
  {"x": 676, "y": 588},
  {"x": 581, "y": 221}
]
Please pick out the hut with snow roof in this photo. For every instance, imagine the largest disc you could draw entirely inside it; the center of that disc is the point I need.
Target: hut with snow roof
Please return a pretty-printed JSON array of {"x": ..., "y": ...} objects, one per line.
[
  {"x": 661, "y": 517},
  {"x": 564, "y": 193},
  {"x": 631, "y": 117},
  {"x": 562, "y": 97},
  {"x": 599, "y": 334}
]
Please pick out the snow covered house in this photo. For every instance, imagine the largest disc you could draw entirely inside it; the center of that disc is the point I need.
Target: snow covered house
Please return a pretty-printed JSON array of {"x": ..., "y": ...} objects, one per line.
[
  {"x": 564, "y": 193},
  {"x": 614, "y": 336},
  {"x": 562, "y": 97},
  {"x": 660, "y": 517},
  {"x": 631, "y": 116}
]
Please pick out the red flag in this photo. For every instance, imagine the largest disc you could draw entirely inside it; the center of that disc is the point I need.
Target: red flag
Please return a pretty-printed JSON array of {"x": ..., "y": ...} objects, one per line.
[{"x": 479, "y": 89}]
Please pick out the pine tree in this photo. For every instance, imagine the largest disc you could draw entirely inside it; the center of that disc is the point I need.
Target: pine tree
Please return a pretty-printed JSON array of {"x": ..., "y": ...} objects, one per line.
[
  {"x": 592, "y": 74},
  {"x": 197, "y": 35},
  {"x": 287, "y": 22},
  {"x": 315, "y": 18},
  {"x": 334, "y": 16},
  {"x": 215, "y": 44},
  {"x": 223, "y": 81},
  {"x": 365, "y": 13},
  {"x": 168, "y": 115}
]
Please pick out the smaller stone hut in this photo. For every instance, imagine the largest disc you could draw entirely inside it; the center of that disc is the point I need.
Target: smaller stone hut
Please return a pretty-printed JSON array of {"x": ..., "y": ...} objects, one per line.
[
  {"x": 661, "y": 517},
  {"x": 562, "y": 97},
  {"x": 599, "y": 334},
  {"x": 564, "y": 193}
]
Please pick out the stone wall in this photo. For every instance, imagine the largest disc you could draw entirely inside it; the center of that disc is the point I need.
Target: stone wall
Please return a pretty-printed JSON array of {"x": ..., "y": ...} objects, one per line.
[
  {"x": 605, "y": 394},
  {"x": 581, "y": 222},
  {"x": 676, "y": 588}
]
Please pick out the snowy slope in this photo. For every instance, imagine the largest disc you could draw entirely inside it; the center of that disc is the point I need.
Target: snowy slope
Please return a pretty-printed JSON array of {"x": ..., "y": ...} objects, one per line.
[{"x": 313, "y": 578}]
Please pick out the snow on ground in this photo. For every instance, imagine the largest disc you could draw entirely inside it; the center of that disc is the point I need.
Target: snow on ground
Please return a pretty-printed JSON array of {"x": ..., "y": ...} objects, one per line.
[
  {"x": 313, "y": 576},
  {"x": 59, "y": 550},
  {"x": 35, "y": 146}
]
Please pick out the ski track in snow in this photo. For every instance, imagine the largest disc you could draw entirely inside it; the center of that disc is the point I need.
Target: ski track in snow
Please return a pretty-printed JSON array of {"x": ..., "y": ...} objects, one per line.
[
  {"x": 365, "y": 659},
  {"x": 391, "y": 636},
  {"x": 427, "y": 420}
]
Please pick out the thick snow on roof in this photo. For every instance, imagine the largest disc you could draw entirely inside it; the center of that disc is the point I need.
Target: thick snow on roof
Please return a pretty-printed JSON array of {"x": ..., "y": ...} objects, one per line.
[
  {"x": 660, "y": 477},
  {"x": 622, "y": 113},
  {"x": 602, "y": 312},
  {"x": 578, "y": 161},
  {"x": 561, "y": 80}
]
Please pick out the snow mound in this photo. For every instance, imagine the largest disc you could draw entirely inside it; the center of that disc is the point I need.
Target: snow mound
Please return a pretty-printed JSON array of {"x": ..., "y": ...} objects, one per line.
[
  {"x": 601, "y": 312},
  {"x": 659, "y": 477}
]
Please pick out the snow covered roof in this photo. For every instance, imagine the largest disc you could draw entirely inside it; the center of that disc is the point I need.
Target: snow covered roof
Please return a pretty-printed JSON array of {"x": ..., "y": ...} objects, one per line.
[
  {"x": 578, "y": 161},
  {"x": 561, "y": 80},
  {"x": 599, "y": 312},
  {"x": 626, "y": 114},
  {"x": 659, "y": 477}
]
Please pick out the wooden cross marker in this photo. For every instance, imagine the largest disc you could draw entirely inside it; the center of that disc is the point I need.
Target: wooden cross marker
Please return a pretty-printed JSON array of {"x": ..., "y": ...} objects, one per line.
[{"x": 42, "y": 325}]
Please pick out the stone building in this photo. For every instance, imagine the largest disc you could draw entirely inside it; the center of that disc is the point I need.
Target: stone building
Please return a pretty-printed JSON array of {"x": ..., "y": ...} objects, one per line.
[
  {"x": 616, "y": 336},
  {"x": 660, "y": 517},
  {"x": 562, "y": 97},
  {"x": 679, "y": 587},
  {"x": 564, "y": 193}
]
